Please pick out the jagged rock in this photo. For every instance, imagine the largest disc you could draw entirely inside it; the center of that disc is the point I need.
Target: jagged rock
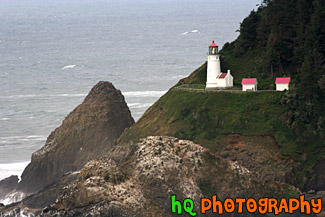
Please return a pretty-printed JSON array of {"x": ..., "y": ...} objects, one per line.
[
  {"x": 7, "y": 185},
  {"x": 138, "y": 180},
  {"x": 132, "y": 177},
  {"x": 49, "y": 193},
  {"x": 87, "y": 133}
]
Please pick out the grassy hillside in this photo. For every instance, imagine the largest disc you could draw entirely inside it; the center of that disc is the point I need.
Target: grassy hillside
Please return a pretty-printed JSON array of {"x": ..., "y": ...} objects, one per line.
[
  {"x": 206, "y": 116},
  {"x": 212, "y": 118}
]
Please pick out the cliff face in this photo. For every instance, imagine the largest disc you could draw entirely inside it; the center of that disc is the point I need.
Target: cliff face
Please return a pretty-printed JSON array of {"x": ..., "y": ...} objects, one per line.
[{"x": 86, "y": 133}]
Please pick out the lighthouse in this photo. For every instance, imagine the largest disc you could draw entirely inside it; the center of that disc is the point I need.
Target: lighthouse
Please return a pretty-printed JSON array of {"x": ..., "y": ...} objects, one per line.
[{"x": 214, "y": 69}]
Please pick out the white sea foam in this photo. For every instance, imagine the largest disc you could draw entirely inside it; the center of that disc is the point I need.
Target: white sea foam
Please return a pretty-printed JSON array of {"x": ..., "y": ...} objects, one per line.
[
  {"x": 34, "y": 139},
  {"x": 144, "y": 93},
  {"x": 178, "y": 76},
  {"x": 16, "y": 139},
  {"x": 19, "y": 137},
  {"x": 4, "y": 119},
  {"x": 139, "y": 105},
  {"x": 13, "y": 197},
  {"x": 41, "y": 95},
  {"x": 71, "y": 95},
  {"x": 133, "y": 104},
  {"x": 7, "y": 170},
  {"x": 19, "y": 96},
  {"x": 188, "y": 32},
  {"x": 68, "y": 67}
]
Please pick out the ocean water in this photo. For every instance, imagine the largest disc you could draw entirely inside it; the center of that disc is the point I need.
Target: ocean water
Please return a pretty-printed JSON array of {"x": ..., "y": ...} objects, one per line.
[{"x": 53, "y": 52}]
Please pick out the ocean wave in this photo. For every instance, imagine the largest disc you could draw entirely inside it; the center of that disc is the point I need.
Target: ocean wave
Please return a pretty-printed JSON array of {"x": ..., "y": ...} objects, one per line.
[
  {"x": 70, "y": 95},
  {"x": 133, "y": 104},
  {"x": 14, "y": 197},
  {"x": 15, "y": 139},
  {"x": 139, "y": 105},
  {"x": 178, "y": 76},
  {"x": 41, "y": 95},
  {"x": 68, "y": 67},
  {"x": 8, "y": 169},
  {"x": 4, "y": 119},
  {"x": 144, "y": 93},
  {"x": 18, "y": 96},
  {"x": 131, "y": 93},
  {"x": 189, "y": 32}
]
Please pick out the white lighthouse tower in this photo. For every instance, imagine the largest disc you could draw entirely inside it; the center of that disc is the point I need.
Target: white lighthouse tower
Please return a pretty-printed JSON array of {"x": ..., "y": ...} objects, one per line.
[{"x": 214, "y": 69}]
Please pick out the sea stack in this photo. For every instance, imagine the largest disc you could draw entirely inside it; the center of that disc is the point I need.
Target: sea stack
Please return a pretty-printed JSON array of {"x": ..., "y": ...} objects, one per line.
[{"x": 87, "y": 133}]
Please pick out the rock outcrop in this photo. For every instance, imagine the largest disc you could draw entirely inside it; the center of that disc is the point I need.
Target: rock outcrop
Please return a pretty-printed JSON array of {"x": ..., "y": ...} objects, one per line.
[
  {"x": 138, "y": 180},
  {"x": 87, "y": 133},
  {"x": 7, "y": 185}
]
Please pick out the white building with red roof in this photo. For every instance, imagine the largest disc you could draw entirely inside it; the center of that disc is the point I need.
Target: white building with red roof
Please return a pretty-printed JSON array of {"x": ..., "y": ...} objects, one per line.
[
  {"x": 215, "y": 78},
  {"x": 225, "y": 80},
  {"x": 249, "y": 84},
  {"x": 282, "y": 83}
]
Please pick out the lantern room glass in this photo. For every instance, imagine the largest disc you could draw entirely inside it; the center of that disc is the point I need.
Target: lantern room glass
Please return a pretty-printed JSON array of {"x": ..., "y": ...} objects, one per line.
[{"x": 213, "y": 50}]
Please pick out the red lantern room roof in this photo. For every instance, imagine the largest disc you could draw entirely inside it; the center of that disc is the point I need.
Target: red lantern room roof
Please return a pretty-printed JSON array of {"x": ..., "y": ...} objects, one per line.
[{"x": 213, "y": 44}]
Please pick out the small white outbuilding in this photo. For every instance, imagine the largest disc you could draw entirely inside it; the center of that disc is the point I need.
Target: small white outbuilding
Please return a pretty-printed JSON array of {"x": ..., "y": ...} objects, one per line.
[
  {"x": 249, "y": 84},
  {"x": 282, "y": 83},
  {"x": 225, "y": 80}
]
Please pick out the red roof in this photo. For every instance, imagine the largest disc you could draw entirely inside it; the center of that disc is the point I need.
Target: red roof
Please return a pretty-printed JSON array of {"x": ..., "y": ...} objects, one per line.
[
  {"x": 284, "y": 80},
  {"x": 249, "y": 81},
  {"x": 223, "y": 75},
  {"x": 213, "y": 44}
]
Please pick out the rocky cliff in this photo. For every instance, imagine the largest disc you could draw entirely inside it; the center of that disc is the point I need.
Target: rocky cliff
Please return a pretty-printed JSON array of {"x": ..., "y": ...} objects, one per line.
[
  {"x": 138, "y": 180},
  {"x": 85, "y": 134}
]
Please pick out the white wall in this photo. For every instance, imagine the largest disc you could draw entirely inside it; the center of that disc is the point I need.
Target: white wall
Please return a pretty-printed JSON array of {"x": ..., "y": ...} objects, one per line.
[
  {"x": 213, "y": 71},
  {"x": 249, "y": 87},
  {"x": 282, "y": 87},
  {"x": 222, "y": 83},
  {"x": 230, "y": 80}
]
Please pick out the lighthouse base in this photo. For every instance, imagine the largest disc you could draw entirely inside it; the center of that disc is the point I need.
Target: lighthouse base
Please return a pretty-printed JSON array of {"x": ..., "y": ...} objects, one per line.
[{"x": 211, "y": 85}]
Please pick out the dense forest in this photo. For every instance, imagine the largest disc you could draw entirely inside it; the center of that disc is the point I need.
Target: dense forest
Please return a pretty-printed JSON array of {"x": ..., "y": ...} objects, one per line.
[{"x": 287, "y": 38}]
